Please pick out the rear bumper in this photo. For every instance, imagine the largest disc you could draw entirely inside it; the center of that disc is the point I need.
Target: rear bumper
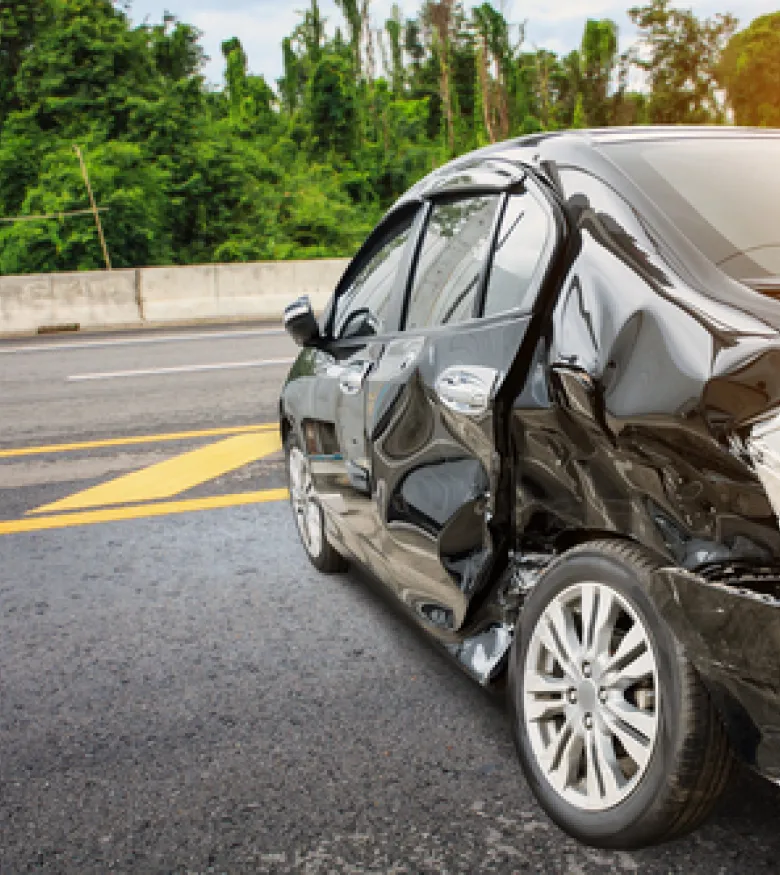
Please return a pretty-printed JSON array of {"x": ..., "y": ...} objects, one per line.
[{"x": 730, "y": 628}]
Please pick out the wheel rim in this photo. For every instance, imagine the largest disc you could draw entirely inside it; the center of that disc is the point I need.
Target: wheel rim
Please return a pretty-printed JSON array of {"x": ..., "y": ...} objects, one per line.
[
  {"x": 590, "y": 696},
  {"x": 305, "y": 507}
]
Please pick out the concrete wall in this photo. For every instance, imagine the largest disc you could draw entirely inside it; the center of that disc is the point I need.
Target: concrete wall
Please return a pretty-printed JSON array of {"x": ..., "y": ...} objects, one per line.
[
  {"x": 234, "y": 291},
  {"x": 120, "y": 298},
  {"x": 89, "y": 299}
]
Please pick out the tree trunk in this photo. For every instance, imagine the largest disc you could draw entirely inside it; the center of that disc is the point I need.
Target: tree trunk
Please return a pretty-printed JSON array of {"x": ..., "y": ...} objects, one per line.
[
  {"x": 484, "y": 84},
  {"x": 441, "y": 15}
]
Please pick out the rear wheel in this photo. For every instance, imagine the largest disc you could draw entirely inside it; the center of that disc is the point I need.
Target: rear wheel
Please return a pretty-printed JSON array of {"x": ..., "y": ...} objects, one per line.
[
  {"x": 307, "y": 511},
  {"x": 615, "y": 731}
]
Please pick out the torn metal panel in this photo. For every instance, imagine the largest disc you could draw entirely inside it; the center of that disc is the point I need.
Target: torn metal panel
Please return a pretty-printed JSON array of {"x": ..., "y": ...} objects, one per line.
[
  {"x": 645, "y": 379},
  {"x": 730, "y": 627},
  {"x": 483, "y": 655}
]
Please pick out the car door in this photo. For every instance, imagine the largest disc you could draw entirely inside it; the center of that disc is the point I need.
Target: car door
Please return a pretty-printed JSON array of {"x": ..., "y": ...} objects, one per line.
[
  {"x": 366, "y": 307},
  {"x": 430, "y": 403}
]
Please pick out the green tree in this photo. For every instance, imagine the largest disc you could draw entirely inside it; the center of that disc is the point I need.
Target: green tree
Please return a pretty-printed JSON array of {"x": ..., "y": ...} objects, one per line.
[
  {"x": 598, "y": 55},
  {"x": 494, "y": 68},
  {"x": 439, "y": 18},
  {"x": 566, "y": 81},
  {"x": 750, "y": 72},
  {"x": 290, "y": 82},
  {"x": 351, "y": 11},
  {"x": 579, "y": 120},
  {"x": 22, "y": 22},
  {"x": 235, "y": 76},
  {"x": 394, "y": 26},
  {"x": 192, "y": 173},
  {"x": 175, "y": 48},
  {"x": 135, "y": 225},
  {"x": 331, "y": 105},
  {"x": 684, "y": 54},
  {"x": 86, "y": 72}
]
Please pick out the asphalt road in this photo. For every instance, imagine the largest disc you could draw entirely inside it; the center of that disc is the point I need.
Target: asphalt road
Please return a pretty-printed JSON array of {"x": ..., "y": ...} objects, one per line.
[{"x": 182, "y": 692}]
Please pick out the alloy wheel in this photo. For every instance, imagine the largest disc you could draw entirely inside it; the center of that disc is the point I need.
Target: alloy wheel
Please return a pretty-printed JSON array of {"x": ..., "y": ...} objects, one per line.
[
  {"x": 590, "y": 696},
  {"x": 307, "y": 511}
]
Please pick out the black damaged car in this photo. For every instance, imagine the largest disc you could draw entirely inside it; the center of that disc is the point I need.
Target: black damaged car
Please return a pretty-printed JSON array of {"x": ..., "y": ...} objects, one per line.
[{"x": 543, "y": 407}]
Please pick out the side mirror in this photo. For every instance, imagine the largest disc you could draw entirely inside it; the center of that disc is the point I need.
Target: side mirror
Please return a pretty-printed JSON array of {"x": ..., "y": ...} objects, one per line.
[{"x": 301, "y": 323}]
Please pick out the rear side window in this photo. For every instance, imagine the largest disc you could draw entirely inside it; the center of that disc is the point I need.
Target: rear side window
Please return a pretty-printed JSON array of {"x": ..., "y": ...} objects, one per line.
[
  {"x": 526, "y": 231},
  {"x": 453, "y": 255}
]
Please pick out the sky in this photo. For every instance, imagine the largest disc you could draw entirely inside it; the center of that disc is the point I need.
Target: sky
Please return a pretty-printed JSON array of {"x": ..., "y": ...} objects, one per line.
[{"x": 262, "y": 24}]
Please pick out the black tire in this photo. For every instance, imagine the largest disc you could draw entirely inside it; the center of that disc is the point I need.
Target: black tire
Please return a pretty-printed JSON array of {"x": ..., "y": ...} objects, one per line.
[
  {"x": 326, "y": 558},
  {"x": 691, "y": 759}
]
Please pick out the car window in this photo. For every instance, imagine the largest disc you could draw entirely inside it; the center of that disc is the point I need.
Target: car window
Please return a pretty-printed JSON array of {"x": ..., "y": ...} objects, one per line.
[
  {"x": 453, "y": 254},
  {"x": 522, "y": 243},
  {"x": 363, "y": 306}
]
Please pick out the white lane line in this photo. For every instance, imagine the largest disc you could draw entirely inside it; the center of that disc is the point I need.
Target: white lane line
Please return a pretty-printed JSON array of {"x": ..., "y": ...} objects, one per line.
[
  {"x": 184, "y": 369},
  {"x": 152, "y": 338}
]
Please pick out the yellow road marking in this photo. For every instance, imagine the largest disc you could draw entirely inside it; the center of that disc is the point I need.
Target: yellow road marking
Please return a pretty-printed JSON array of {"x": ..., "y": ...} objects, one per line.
[
  {"x": 130, "y": 441},
  {"x": 173, "y": 476},
  {"x": 115, "y": 514}
]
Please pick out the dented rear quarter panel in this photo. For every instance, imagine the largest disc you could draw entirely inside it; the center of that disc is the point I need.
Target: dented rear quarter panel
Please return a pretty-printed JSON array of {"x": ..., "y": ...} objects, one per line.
[{"x": 652, "y": 364}]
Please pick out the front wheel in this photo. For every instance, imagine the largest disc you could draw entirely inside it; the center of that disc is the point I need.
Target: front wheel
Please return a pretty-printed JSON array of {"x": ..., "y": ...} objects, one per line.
[
  {"x": 307, "y": 511},
  {"x": 615, "y": 730}
]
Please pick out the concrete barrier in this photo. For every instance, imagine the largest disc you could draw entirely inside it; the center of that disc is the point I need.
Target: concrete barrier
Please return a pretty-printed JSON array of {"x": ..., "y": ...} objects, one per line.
[
  {"x": 178, "y": 294},
  {"x": 90, "y": 299},
  {"x": 199, "y": 293},
  {"x": 263, "y": 289}
]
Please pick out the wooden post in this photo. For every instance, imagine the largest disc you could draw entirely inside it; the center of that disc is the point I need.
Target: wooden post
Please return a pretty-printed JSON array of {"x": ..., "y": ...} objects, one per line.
[{"x": 95, "y": 211}]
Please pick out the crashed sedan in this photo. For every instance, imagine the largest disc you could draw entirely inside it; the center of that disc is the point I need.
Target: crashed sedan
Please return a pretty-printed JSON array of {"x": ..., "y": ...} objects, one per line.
[{"x": 543, "y": 408}]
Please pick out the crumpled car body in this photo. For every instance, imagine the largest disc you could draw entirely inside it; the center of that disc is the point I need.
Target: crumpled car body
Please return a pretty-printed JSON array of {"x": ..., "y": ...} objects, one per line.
[{"x": 635, "y": 397}]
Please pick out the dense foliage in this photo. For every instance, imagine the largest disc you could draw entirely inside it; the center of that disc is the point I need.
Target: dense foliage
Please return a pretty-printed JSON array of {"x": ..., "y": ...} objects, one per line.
[
  {"x": 750, "y": 71},
  {"x": 193, "y": 174}
]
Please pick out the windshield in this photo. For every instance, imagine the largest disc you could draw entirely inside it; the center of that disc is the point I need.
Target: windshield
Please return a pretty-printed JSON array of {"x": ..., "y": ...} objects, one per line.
[{"x": 723, "y": 194}]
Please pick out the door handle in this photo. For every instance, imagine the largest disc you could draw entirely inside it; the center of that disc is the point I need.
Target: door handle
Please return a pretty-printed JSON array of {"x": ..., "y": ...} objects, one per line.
[
  {"x": 352, "y": 377},
  {"x": 466, "y": 390}
]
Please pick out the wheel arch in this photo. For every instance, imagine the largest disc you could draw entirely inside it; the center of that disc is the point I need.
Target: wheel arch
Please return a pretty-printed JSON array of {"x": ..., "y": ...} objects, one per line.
[{"x": 568, "y": 539}]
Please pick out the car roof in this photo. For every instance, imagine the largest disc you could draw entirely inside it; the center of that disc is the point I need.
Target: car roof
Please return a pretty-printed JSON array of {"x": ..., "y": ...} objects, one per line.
[
  {"x": 643, "y": 133},
  {"x": 583, "y": 148}
]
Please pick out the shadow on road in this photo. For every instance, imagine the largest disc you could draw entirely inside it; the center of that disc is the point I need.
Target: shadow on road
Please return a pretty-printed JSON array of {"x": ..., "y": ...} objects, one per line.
[{"x": 751, "y": 805}]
